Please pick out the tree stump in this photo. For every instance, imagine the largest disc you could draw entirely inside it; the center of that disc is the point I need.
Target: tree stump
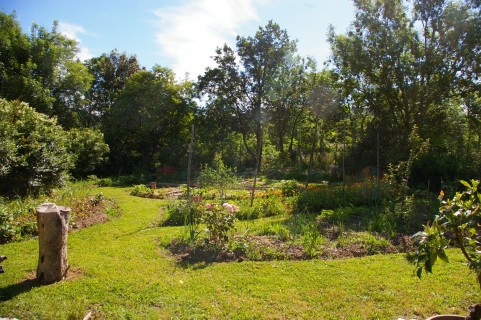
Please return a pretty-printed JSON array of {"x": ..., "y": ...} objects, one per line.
[{"x": 52, "y": 224}]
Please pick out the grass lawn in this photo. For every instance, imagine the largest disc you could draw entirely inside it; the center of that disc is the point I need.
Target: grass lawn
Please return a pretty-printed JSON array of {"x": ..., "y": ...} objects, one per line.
[{"x": 120, "y": 271}]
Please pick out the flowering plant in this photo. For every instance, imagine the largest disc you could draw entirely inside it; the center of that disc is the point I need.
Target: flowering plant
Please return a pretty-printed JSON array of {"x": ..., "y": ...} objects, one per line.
[{"x": 219, "y": 221}]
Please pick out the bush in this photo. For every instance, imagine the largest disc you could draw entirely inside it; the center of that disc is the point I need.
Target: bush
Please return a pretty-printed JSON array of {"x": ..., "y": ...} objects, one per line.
[
  {"x": 290, "y": 188},
  {"x": 219, "y": 222},
  {"x": 325, "y": 197},
  {"x": 33, "y": 151},
  {"x": 263, "y": 207},
  {"x": 88, "y": 149},
  {"x": 219, "y": 177},
  {"x": 178, "y": 213},
  {"x": 7, "y": 227},
  {"x": 142, "y": 191}
]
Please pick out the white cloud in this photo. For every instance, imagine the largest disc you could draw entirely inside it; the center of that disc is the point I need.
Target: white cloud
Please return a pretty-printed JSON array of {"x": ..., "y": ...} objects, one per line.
[
  {"x": 190, "y": 32},
  {"x": 72, "y": 31}
]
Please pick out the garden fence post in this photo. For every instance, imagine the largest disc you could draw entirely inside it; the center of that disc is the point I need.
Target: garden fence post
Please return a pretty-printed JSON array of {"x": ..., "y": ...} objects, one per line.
[{"x": 52, "y": 223}]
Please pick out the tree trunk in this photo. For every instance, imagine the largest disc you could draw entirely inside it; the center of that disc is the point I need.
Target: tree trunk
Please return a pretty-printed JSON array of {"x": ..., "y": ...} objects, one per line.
[{"x": 52, "y": 223}]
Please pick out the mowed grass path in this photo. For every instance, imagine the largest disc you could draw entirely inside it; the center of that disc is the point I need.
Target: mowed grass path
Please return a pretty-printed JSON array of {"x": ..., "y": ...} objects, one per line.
[{"x": 122, "y": 272}]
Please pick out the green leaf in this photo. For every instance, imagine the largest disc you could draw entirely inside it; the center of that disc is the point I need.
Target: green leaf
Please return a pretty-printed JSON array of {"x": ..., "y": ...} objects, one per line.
[
  {"x": 442, "y": 255},
  {"x": 466, "y": 184},
  {"x": 419, "y": 272}
]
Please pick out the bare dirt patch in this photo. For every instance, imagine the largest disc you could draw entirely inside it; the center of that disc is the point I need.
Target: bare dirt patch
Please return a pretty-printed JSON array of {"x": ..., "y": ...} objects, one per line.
[{"x": 90, "y": 211}]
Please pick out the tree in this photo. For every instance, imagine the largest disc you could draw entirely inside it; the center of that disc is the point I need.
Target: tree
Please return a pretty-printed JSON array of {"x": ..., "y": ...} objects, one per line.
[
  {"x": 241, "y": 84},
  {"x": 43, "y": 71},
  {"x": 33, "y": 150},
  {"x": 110, "y": 73},
  {"x": 14, "y": 48},
  {"x": 406, "y": 72},
  {"x": 149, "y": 124}
]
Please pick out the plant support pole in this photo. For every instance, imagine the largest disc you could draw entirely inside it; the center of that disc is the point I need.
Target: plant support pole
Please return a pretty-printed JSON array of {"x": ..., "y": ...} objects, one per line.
[{"x": 189, "y": 164}]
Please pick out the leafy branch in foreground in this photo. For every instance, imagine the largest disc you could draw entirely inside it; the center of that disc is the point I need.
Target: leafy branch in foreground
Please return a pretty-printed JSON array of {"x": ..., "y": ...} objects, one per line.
[{"x": 458, "y": 220}]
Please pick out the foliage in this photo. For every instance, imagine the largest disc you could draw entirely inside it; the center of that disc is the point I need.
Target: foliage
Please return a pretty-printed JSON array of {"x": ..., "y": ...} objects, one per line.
[
  {"x": 33, "y": 151},
  {"x": 290, "y": 188},
  {"x": 141, "y": 190},
  {"x": 110, "y": 73},
  {"x": 7, "y": 226},
  {"x": 401, "y": 67},
  {"x": 321, "y": 197},
  {"x": 18, "y": 218},
  {"x": 149, "y": 124},
  {"x": 88, "y": 149},
  {"x": 263, "y": 207},
  {"x": 178, "y": 213},
  {"x": 240, "y": 86},
  {"x": 275, "y": 229},
  {"x": 218, "y": 176},
  {"x": 219, "y": 222},
  {"x": 310, "y": 239},
  {"x": 458, "y": 219}
]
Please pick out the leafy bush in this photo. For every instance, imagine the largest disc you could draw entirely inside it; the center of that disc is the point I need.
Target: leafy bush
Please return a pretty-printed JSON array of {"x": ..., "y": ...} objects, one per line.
[
  {"x": 7, "y": 227},
  {"x": 141, "y": 190},
  {"x": 177, "y": 213},
  {"x": 323, "y": 197},
  {"x": 290, "y": 188},
  {"x": 458, "y": 219},
  {"x": 219, "y": 222},
  {"x": 219, "y": 176},
  {"x": 263, "y": 207},
  {"x": 88, "y": 149},
  {"x": 33, "y": 151}
]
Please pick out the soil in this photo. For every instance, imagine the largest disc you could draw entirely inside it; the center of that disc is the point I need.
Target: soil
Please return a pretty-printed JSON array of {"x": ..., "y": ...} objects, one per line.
[
  {"x": 90, "y": 212},
  {"x": 266, "y": 248}
]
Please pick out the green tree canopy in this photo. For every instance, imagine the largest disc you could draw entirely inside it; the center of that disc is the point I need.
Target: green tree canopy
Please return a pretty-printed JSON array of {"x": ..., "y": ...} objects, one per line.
[{"x": 149, "y": 123}]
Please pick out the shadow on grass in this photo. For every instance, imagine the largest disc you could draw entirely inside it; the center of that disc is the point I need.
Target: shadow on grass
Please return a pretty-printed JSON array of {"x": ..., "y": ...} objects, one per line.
[{"x": 13, "y": 290}]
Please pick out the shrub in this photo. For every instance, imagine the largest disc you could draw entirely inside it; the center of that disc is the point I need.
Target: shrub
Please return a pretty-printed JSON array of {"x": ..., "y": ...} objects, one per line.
[
  {"x": 141, "y": 190},
  {"x": 323, "y": 197},
  {"x": 219, "y": 222},
  {"x": 219, "y": 176},
  {"x": 88, "y": 149},
  {"x": 264, "y": 207},
  {"x": 33, "y": 150},
  {"x": 7, "y": 227},
  {"x": 177, "y": 212},
  {"x": 290, "y": 188}
]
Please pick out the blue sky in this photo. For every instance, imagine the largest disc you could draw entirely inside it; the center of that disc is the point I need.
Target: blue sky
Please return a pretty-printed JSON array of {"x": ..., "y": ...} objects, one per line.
[{"x": 182, "y": 34}]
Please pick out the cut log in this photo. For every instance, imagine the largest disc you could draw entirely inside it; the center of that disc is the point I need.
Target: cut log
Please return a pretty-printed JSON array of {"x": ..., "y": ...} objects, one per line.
[{"x": 52, "y": 224}]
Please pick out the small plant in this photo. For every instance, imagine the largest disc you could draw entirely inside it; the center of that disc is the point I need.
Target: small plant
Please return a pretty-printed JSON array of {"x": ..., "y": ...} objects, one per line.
[
  {"x": 142, "y": 191},
  {"x": 311, "y": 239},
  {"x": 278, "y": 230},
  {"x": 178, "y": 213},
  {"x": 290, "y": 188},
  {"x": 219, "y": 222},
  {"x": 458, "y": 219},
  {"x": 7, "y": 227},
  {"x": 219, "y": 176}
]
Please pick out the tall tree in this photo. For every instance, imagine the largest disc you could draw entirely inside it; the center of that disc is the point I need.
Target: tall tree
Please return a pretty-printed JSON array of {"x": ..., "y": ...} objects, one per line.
[
  {"x": 110, "y": 73},
  {"x": 406, "y": 71},
  {"x": 42, "y": 69},
  {"x": 242, "y": 82},
  {"x": 149, "y": 124}
]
